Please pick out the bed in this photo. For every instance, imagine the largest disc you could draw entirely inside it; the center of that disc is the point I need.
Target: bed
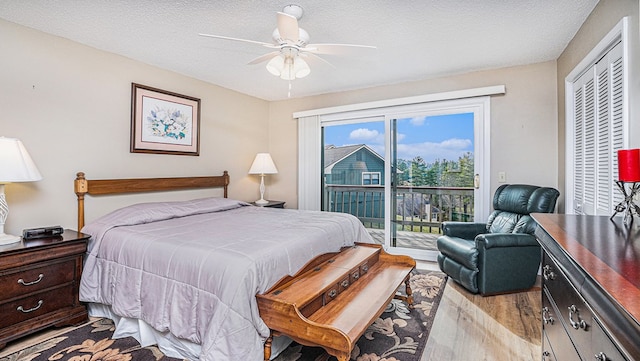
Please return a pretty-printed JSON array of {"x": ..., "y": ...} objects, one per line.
[{"x": 184, "y": 274}]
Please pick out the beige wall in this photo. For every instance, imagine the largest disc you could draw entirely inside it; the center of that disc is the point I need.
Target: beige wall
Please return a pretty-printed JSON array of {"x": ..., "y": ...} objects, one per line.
[
  {"x": 523, "y": 123},
  {"x": 601, "y": 20},
  {"x": 70, "y": 105}
]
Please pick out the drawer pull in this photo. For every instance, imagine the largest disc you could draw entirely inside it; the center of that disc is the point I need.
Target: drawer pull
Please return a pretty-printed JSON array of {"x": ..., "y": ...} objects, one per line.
[
  {"x": 547, "y": 273},
  {"x": 333, "y": 293},
  {"x": 546, "y": 317},
  {"x": 576, "y": 325},
  {"x": 601, "y": 357},
  {"x": 345, "y": 283},
  {"x": 22, "y": 282},
  {"x": 21, "y": 309}
]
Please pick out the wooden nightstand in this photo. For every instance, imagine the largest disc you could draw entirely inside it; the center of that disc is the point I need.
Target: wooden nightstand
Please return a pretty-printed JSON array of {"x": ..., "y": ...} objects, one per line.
[
  {"x": 271, "y": 204},
  {"x": 39, "y": 281}
]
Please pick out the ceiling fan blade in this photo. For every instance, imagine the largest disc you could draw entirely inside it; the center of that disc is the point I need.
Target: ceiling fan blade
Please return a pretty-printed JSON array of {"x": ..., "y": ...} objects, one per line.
[
  {"x": 268, "y": 45},
  {"x": 264, "y": 57},
  {"x": 288, "y": 27},
  {"x": 318, "y": 57},
  {"x": 336, "y": 49}
]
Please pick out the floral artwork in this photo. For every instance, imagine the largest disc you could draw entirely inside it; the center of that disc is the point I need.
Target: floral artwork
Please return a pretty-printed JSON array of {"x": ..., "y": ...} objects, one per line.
[{"x": 164, "y": 122}]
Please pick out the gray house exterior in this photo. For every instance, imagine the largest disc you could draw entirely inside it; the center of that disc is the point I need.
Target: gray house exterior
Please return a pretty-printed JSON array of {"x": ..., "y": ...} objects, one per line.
[{"x": 353, "y": 165}]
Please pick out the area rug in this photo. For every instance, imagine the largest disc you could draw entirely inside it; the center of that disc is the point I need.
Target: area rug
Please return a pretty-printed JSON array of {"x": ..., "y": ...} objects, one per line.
[{"x": 399, "y": 334}]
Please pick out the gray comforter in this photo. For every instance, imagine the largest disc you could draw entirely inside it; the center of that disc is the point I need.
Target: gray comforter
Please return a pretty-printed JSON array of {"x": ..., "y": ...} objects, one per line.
[{"x": 193, "y": 268}]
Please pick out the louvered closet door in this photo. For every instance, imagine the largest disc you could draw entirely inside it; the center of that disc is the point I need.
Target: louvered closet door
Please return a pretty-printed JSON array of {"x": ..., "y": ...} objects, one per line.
[
  {"x": 584, "y": 172},
  {"x": 598, "y": 133}
]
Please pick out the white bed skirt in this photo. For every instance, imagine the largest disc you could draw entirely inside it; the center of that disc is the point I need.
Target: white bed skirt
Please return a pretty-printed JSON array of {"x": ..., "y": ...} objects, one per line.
[{"x": 166, "y": 342}]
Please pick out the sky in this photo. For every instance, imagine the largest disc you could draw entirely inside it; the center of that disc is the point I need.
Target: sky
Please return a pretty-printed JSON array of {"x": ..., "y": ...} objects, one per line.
[{"x": 433, "y": 137}]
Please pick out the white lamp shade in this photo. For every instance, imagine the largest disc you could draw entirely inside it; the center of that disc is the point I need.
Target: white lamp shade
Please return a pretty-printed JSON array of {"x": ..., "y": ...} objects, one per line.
[
  {"x": 263, "y": 164},
  {"x": 15, "y": 163},
  {"x": 301, "y": 68},
  {"x": 275, "y": 65},
  {"x": 288, "y": 67}
]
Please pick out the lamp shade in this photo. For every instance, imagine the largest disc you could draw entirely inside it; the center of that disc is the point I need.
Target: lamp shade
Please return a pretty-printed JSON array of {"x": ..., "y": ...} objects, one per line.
[
  {"x": 263, "y": 164},
  {"x": 15, "y": 163}
]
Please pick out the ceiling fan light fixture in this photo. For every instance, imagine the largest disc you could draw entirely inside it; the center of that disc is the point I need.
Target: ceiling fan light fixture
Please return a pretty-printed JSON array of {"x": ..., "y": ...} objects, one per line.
[
  {"x": 301, "y": 68},
  {"x": 288, "y": 72},
  {"x": 276, "y": 65}
]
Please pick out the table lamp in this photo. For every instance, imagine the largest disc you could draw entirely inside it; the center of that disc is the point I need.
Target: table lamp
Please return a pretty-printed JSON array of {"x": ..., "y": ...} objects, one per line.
[
  {"x": 263, "y": 164},
  {"x": 15, "y": 166}
]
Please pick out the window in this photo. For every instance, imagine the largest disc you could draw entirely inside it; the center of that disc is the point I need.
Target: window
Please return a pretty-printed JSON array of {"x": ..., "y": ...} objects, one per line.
[{"x": 370, "y": 178}]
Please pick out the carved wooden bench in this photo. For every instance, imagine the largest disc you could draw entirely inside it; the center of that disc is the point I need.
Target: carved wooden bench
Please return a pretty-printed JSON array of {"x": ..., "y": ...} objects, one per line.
[{"x": 332, "y": 301}]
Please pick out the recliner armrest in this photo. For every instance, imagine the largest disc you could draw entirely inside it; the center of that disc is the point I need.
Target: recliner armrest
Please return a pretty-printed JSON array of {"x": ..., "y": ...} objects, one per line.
[
  {"x": 464, "y": 230},
  {"x": 494, "y": 240}
]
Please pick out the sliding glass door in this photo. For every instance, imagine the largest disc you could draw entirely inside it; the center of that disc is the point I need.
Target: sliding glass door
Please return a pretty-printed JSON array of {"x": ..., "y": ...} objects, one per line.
[
  {"x": 431, "y": 178},
  {"x": 404, "y": 173}
]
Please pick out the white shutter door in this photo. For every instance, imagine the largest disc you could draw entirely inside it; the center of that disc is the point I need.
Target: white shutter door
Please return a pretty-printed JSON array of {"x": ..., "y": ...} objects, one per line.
[
  {"x": 617, "y": 117},
  {"x": 604, "y": 156},
  {"x": 589, "y": 142},
  {"x": 599, "y": 132},
  {"x": 578, "y": 153}
]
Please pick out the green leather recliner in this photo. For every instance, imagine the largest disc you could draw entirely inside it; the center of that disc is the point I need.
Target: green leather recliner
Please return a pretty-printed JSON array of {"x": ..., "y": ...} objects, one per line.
[{"x": 503, "y": 254}]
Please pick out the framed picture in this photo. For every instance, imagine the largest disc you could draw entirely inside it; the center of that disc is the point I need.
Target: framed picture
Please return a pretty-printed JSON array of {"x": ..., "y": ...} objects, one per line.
[{"x": 163, "y": 122}]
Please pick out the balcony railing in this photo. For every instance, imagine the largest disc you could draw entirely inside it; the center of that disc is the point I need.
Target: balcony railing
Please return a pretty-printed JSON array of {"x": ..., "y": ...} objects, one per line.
[{"x": 417, "y": 209}]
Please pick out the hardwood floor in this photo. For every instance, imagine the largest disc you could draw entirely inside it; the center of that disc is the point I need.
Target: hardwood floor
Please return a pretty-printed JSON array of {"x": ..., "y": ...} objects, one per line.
[{"x": 472, "y": 327}]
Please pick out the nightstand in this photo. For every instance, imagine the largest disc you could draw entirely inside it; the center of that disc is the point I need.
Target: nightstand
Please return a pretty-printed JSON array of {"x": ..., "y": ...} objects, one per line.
[
  {"x": 39, "y": 283},
  {"x": 271, "y": 204}
]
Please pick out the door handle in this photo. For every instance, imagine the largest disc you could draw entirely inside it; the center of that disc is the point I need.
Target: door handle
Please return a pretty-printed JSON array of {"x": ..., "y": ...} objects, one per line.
[{"x": 476, "y": 181}]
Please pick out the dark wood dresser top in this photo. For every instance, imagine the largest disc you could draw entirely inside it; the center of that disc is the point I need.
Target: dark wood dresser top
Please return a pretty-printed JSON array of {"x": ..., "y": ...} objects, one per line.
[
  {"x": 38, "y": 243},
  {"x": 607, "y": 250}
]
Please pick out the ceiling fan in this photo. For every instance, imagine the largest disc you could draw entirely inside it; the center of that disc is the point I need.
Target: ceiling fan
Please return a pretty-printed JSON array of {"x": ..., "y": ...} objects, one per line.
[{"x": 290, "y": 45}]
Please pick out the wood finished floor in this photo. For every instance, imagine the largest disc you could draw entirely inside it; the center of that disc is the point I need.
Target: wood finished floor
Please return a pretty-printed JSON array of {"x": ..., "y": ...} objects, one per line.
[
  {"x": 466, "y": 327},
  {"x": 472, "y": 327}
]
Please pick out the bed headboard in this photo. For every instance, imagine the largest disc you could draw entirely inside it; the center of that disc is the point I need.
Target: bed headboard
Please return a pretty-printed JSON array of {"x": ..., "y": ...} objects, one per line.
[{"x": 84, "y": 186}]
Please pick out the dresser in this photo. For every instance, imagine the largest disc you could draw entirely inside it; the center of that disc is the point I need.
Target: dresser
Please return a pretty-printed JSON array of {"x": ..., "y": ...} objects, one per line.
[
  {"x": 39, "y": 282},
  {"x": 590, "y": 288}
]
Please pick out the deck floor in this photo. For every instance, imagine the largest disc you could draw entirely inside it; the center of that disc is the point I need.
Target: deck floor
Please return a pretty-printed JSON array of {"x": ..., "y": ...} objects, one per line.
[{"x": 405, "y": 239}]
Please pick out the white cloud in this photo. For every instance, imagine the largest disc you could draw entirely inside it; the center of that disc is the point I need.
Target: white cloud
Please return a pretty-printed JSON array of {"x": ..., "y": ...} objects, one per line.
[
  {"x": 417, "y": 121},
  {"x": 363, "y": 134},
  {"x": 450, "y": 149}
]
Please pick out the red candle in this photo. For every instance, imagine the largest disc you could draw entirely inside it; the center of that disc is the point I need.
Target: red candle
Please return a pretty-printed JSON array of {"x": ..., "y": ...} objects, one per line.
[{"x": 629, "y": 165}]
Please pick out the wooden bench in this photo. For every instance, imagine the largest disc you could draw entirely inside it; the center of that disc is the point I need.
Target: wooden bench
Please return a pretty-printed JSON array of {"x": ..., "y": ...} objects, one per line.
[{"x": 332, "y": 301}]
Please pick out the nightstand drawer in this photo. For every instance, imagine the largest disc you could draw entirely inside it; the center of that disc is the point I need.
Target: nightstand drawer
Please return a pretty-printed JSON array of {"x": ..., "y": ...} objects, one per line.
[
  {"x": 36, "y": 305},
  {"x": 41, "y": 276}
]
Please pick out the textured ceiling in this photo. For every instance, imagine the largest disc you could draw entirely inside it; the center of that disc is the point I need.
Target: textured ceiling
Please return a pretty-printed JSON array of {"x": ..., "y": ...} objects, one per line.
[{"x": 416, "y": 39}]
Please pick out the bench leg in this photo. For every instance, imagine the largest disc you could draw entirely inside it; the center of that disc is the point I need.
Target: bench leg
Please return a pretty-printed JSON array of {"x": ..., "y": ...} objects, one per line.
[
  {"x": 409, "y": 292},
  {"x": 267, "y": 348},
  {"x": 409, "y": 297}
]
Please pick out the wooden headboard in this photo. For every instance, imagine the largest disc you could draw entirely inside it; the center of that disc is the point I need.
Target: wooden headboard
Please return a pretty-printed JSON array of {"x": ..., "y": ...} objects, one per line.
[{"x": 84, "y": 186}]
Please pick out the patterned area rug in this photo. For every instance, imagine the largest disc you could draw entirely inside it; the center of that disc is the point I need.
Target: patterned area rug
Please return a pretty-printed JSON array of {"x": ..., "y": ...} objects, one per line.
[{"x": 400, "y": 334}]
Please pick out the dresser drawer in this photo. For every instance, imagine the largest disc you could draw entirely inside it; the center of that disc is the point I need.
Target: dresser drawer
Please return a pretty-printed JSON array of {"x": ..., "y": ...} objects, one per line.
[
  {"x": 572, "y": 309},
  {"x": 40, "y": 276},
  {"x": 547, "y": 351},
  {"x": 36, "y": 305},
  {"x": 603, "y": 347},
  {"x": 555, "y": 333}
]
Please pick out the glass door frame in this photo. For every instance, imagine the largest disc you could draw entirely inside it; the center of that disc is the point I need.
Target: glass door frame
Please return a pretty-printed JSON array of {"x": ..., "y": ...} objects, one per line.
[
  {"x": 481, "y": 132},
  {"x": 310, "y": 147}
]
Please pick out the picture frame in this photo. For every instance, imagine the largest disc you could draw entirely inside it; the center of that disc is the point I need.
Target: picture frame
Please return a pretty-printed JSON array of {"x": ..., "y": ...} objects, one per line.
[{"x": 164, "y": 122}]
